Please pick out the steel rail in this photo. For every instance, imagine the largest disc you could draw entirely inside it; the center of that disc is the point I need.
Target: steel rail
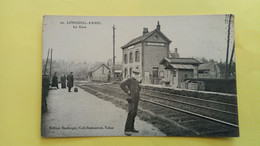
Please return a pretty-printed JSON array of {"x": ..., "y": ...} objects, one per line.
[
  {"x": 194, "y": 114},
  {"x": 193, "y": 98},
  {"x": 191, "y": 104}
]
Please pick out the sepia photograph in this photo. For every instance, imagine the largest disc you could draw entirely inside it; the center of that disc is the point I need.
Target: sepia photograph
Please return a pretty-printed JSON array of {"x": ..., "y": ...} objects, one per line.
[{"x": 139, "y": 76}]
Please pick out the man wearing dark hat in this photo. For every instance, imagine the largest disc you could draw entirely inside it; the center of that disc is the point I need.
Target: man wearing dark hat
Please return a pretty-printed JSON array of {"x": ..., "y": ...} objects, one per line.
[
  {"x": 131, "y": 87},
  {"x": 70, "y": 80}
]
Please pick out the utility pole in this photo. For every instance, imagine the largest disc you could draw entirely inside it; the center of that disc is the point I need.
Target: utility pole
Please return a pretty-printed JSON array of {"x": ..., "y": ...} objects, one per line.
[
  {"x": 50, "y": 63},
  {"x": 113, "y": 68},
  {"x": 231, "y": 59},
  {"x": 45, "y": 68},
  {"x": 228, "y": 38}
]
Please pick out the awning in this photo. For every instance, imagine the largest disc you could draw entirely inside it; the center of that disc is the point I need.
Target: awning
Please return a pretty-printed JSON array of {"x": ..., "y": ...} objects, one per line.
[{"x": 182, "y": 66}]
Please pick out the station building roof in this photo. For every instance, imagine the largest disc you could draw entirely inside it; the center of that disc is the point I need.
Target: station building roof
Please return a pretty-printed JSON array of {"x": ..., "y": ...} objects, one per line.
[
  {"x": 97, "y": 67},
  {"x": 144, "y": 37},
  {"x": 180, "y": 61},
  {"x": 182, "y": 66}
]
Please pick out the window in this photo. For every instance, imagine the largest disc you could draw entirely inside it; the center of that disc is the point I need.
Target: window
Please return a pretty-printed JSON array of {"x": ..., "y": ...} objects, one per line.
[
  {"x": 174, "y": 73},
  {"x": 185, "y": 76},
  {"x": 125, "y": 58},
  {"x": 130, "y": 72},
  {"x": 137, "y": 56},
  {"x": 203, "y": 71},
  {"x": 131, "y": 57},
  {"x": 125, "y": 72},
  {"x": 155, "y": 71},
  {"x": 200, "y": 71}
]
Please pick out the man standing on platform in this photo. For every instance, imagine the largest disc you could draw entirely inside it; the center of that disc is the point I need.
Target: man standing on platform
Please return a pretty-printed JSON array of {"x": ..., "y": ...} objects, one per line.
[
  {"x": 70, "y": 80},
  {"x": 55, "y": 81},
  {"x": 63, "y": 81},
  {"x": 131, "y": 86}
]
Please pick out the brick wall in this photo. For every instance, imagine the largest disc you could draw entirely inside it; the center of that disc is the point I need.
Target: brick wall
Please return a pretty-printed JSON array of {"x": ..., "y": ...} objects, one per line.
[{"x": 152, "y": 56}]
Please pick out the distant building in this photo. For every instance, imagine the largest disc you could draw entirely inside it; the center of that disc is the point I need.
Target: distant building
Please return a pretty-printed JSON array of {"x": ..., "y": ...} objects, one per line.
[
  {"x": 118, "y": 71},
  {"x": 209, "y": 70},
  {"x": 144, "y": 53},
  {"x": 179, "y": 69},
  {"x": 100, "y": 73}
]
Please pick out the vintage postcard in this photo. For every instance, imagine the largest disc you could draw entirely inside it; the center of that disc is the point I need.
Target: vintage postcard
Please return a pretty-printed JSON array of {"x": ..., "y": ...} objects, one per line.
[{"x": 139, "y": 76}]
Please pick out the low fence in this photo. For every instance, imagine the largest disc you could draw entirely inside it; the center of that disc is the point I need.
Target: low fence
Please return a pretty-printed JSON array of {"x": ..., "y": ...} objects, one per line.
[{"x": 214, "y": 85}]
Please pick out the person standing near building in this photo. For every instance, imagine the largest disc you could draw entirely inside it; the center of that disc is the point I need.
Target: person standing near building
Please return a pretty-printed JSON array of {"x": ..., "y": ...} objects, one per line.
[
  {"x": 70, "y": 80},
  {"x": 131, "y": 87},
  {"x": 55, "y": 81},
  {"x": 63, "y": 81}
]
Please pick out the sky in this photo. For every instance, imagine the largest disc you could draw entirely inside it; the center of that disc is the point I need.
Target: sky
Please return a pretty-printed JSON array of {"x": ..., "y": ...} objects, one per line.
[{"x": 194, "y": 36}]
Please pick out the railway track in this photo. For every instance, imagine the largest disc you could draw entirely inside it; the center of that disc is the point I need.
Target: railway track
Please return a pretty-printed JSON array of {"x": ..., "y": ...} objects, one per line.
[
  {"x": 202, "y": 117},
  {"x": 213, "y": 110}
]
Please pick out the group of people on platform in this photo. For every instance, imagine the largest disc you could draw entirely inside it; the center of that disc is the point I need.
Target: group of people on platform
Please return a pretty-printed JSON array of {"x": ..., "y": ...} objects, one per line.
[{"x": 69, "y": 80}]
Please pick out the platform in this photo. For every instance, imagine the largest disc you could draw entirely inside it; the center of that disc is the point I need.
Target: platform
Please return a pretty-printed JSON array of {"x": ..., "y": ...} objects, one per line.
[{"x": 76, "y": 114}]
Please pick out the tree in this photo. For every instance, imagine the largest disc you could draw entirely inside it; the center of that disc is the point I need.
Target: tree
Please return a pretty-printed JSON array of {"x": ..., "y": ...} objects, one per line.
[{"x": 204, "y": 60}]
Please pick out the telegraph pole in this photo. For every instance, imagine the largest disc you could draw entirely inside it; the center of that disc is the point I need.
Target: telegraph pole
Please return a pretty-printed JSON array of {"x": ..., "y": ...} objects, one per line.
[
  {"x": 45, "y": 69},
  {"x": 113, "y": 68},
  {"x": 231, "y": 59},
  {"x": 50, "y": 63},
  {"x": 228, "y": 38}
]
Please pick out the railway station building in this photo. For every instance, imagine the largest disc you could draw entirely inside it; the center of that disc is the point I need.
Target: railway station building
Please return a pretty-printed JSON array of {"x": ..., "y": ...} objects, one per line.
[{"x": 144, "y": 54}]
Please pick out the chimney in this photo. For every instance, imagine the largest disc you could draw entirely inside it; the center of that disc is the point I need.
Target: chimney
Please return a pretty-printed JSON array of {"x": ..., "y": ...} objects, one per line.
[
  {"x": 145, "y": 30},
  {"x": 175, "y": 54},
  {"x": 158, "y": 27}
]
